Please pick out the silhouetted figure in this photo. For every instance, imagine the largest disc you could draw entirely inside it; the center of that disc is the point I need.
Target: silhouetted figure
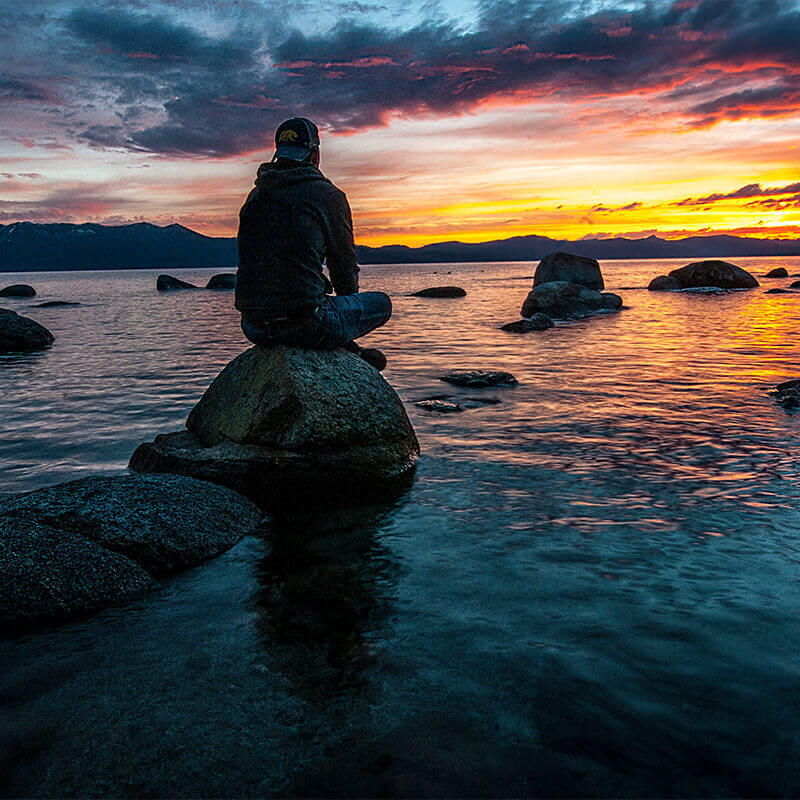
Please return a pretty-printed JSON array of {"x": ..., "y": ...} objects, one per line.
[{"x": 292, "y": 221}]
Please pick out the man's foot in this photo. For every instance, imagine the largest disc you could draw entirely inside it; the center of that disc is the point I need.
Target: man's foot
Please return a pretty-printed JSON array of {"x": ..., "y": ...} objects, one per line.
[{"x": 374, "y": 358}]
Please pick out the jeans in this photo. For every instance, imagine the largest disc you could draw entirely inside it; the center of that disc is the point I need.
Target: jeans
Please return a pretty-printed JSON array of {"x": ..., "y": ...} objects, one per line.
[{"x": 335, "y": 323}]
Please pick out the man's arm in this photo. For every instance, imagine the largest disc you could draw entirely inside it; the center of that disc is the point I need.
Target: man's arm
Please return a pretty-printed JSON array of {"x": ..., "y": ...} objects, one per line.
[{"x": 340, "y": 246}]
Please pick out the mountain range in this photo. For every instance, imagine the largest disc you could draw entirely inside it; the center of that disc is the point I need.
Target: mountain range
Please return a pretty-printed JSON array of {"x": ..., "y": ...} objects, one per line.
[{"x": 63, "y": 246}]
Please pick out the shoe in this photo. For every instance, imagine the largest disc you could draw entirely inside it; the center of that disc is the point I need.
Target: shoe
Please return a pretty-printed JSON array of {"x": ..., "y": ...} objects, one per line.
[{"x": 373, "y": 357}]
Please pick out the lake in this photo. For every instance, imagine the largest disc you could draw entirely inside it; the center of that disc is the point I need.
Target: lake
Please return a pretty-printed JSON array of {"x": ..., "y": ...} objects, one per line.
[{"x": 591, "y": 588}]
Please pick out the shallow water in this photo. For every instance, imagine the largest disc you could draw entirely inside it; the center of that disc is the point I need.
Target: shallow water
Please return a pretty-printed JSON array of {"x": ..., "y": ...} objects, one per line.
[{"x": 591, "y": 588}]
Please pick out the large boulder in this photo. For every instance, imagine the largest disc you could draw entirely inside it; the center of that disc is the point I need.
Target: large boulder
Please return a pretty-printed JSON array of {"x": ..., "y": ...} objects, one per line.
[
  {"x": 567, "y": 267},
  {"x": 19, "y": 334},
  {"x": 563, "y": 300},
  {"x": 18, "y": 290},
  {"x": 719, "y": 274},
  {"x": 82, "y": 545},
  {"x": 167, "y": 283},
  {"x": 285, "y": 426},
  {"x": 222, "y": 282}
]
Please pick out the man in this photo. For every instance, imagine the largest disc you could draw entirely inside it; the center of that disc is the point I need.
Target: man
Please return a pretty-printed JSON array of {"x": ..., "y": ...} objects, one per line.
[{"x": 292, "y": 221}]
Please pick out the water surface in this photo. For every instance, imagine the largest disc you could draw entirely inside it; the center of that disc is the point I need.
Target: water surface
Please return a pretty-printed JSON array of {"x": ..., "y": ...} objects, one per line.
[{"x": 591, "y": 588}]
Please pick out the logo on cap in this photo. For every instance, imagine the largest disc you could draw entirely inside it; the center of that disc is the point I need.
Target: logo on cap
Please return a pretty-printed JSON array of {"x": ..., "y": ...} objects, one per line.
[{"x": 287, "y": 136}]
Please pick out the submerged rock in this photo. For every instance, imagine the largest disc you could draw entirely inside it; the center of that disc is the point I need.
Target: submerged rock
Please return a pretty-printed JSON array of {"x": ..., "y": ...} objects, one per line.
[
  {"x": 562, "y": 300},
  {"x": 18, "y": 290},
  {"x": 719, "y": 274},
  {"x": 479, "y": 377},
  {"x": 440, "y": 291},
  {"x": 163, "y": 522},
  {"x": 20, "y": 334},
  {"x": 567, "y": 267},
  {"x": 778, "y": 272},
  {"x": 82, "y": 545},
  {"x": 779, "y": 291},
  {"x": 290, "y": 426},
  {"x": 166, "y": 283},
  {"x": 664, "y": 283},
  {"x": 55, "y": 304},
  {"x": 440, "y": 406},
  {"x": 788, "y": 394},
  {"x": 222, "y": 282},
  {"x": 536, "y": 322}
]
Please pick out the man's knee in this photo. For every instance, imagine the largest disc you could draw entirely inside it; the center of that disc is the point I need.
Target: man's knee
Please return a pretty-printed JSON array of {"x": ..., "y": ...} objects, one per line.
[{"x": 386, "y": 306}]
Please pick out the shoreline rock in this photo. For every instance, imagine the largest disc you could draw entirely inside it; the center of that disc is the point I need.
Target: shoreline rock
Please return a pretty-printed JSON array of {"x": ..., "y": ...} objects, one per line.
[{"x": 19, "y": 334}]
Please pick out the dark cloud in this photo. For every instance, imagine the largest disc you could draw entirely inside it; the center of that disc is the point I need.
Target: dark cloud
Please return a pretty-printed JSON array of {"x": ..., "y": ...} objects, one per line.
[
  {"x": 175, "y": 87},
  {"x": 750, "y": 190}
]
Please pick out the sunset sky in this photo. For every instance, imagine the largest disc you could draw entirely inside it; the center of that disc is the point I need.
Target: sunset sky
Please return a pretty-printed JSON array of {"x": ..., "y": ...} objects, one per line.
[{"x": 464, "y": 119}]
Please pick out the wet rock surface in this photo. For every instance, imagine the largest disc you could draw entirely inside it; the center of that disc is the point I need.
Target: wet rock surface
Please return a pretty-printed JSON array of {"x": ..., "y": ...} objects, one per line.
[
  {"x": 166, "y": 283},
  {"x": 562, "y": 300},
  {"x": 20, "y": 334},
  {"x": 222, "y": 282},
  {"x": 536, "y": 322},
  {"x": 479, "y": 378},
  {"x": 440, "y": 291},
  {"x": 78, "y": 546},
  {"x": 18, "y": 290},
  {"x": 285, "y": 425},
  {"x": 562, "y": 266}
]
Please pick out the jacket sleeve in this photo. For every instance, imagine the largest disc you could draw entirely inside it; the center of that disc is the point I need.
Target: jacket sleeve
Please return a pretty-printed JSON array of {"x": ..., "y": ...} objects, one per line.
[{"x": 340, "y": 249}]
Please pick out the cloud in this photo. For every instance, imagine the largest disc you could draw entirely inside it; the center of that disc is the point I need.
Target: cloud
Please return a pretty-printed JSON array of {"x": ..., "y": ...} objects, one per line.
[{"x": 750, "y": 190}]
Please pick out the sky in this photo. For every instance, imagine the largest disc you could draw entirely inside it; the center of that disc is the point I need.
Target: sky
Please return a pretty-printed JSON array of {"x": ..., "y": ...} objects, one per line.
[{"x": 464, "y": 120}]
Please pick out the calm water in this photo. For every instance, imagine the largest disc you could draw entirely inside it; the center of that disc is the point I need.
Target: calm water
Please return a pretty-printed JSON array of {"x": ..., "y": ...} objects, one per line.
[{"x": 592, "y": 588}]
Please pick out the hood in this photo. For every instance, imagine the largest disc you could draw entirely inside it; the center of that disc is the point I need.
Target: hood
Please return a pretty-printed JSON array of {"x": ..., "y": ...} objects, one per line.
[{"x": 272, "y": 176}]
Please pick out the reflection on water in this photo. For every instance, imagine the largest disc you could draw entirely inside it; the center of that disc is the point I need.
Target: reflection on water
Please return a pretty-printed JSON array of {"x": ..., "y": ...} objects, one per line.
[{"x": 591, "y": 587}]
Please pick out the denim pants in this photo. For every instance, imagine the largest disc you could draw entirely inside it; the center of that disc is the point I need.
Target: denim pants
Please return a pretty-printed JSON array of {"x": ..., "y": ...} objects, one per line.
[{"x": 335, "y": 323}]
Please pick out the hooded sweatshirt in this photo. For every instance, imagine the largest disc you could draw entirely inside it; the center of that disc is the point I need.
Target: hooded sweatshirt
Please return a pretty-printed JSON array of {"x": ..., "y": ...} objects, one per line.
[{"x": 292, "y": 221}]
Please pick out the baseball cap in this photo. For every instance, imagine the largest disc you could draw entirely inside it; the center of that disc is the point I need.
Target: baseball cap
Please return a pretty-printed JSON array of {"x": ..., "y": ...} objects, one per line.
[{"x": 296, "y": 138}]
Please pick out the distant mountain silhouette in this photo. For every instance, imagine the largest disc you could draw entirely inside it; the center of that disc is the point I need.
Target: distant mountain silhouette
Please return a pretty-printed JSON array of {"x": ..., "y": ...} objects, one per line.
[{"x": 62, "y": 246}]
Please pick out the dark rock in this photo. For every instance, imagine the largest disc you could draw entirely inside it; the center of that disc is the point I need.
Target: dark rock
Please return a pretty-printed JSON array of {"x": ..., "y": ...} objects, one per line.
[
  {"x": 719, "y": 274},
  {"x": 779, "y": 291},
  {"x": 48, "y": 574},
  {"x": 222, "y": 282},
  {"x": 778, "y": 272},
  {"x": 18, "y": 334},
  {"x": 440, "y": 406},
  {"x": 788, "y": 394},
  {"x": 567, "y": 267},
  {"x": 166, "y": 283},
  {"x": 54, "y": 304},
  {"x": 664, "y": 283},
  {"x": 440, "y": 291},
  {"x": 162, "y": 522},
  {"x": 477, "y": 378},
  {"x": 562, "y": 300},
  {"x": 18, "y": 290},
  {"x": 611, "y": 301},
  {"x": 537, "y": 322},
  {"x": 794, "y": 285},
  {"x": 286, "y": 426}
]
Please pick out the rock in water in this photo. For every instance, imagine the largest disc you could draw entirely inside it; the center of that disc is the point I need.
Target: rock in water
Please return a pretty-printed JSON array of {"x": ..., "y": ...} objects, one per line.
[
  {"x": 537, "y": 322},
  {"x": 719, "y": 274},
  {"x": 567, "y": 267},
  {"x": 289, "y": 426},
  {"x": 166, "y": 283},
  {"x": 664, "y": 283},
  {"x": 440, "y": 291},
  {"x": 788, "y": 394},
  {"x": 440, "y": 406},
  {"x": 794, "y": 285},
  {"x": 48, "y": 574},
  {"x": 562, "y": 300},
  {"x": 222, "y": 282},
  {"x": 778, "y": 272},
  {"x": 479, "y": 377},
  {"x": 18, "y": 290},
  {"x": 162, "y": 522},
  {"x": 18, "y": 334},
  {"x": 55, "y": 304},
  {"x": 779, "y": 291}
]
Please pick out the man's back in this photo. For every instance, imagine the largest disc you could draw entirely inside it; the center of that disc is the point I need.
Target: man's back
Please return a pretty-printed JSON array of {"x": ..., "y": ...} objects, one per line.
[{"x": 292, "y": 221}]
